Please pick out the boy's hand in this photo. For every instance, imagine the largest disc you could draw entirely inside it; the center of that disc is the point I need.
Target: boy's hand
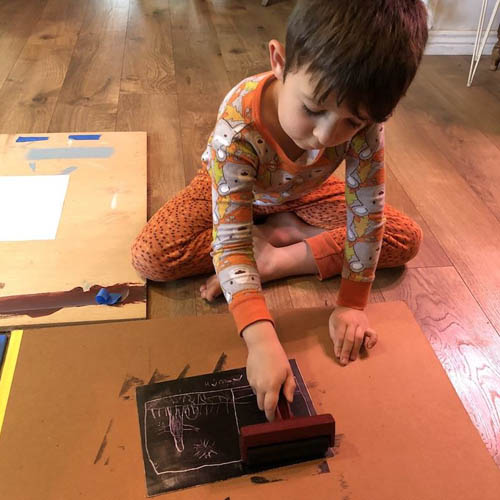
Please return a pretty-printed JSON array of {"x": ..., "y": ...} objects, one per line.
[
  {"x": 267, "y": 367},
  {"x": 348, "y": 329}
]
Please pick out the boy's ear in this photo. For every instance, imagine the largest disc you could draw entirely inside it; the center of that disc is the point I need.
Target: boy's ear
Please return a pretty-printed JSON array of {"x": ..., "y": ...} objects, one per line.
[{"x": 277, "y": 58}]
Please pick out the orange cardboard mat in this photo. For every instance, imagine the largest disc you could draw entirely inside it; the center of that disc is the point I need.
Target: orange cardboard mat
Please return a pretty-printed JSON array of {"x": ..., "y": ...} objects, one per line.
[{"x": 71, "y": 427}]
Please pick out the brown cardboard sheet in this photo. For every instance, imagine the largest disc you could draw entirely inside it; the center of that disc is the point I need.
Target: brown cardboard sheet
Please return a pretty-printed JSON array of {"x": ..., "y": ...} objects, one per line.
[{"x": 71, "y": 427}]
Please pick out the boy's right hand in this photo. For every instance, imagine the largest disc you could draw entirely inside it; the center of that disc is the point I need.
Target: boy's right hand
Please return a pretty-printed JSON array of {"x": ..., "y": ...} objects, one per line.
[{"x": 268, "y": 367}]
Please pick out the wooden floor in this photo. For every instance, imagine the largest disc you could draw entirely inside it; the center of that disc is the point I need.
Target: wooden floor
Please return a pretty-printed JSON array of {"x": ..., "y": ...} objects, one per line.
[{"x": 164, "y": 66}]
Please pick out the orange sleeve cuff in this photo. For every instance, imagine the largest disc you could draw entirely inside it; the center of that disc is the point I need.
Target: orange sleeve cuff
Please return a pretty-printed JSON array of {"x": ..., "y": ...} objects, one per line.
[
  {"x": 327, "y": 254},
  {"x": 354, "y": 293},
  {"x": 249, "y": 309}
]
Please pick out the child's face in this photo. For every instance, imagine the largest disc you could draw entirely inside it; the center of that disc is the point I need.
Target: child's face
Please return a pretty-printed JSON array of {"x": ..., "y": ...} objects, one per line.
[{"x": 313, "y": 126}]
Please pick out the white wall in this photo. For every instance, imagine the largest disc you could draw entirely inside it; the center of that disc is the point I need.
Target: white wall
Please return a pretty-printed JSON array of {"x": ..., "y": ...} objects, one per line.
[
  {"x": 454, "y": 25},
  {"x": 461, "y": 15}
]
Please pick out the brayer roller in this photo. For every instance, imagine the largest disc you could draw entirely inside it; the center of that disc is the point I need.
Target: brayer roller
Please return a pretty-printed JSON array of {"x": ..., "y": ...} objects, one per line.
[{"x": 287, "y": 438}]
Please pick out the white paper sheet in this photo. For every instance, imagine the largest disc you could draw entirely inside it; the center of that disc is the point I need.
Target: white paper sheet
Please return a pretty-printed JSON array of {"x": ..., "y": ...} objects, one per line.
[{"x": 31, "y": 206}]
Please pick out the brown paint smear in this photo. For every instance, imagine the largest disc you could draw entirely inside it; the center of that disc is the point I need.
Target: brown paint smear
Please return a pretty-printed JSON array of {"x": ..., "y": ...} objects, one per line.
[
  {"x": 129, "y": 382},
  {"x": 104, "y": 443},
  {"x": 43, "y": 304},
  {"x": 157, "y": 377}
]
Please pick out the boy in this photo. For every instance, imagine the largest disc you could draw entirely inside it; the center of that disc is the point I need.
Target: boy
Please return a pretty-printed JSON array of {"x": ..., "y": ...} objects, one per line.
[{"x": 278, "y": 138}]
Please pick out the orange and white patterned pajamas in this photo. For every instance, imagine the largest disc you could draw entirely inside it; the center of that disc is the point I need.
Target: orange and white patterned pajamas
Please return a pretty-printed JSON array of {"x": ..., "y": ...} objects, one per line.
[{"x": 246, "y": 174}]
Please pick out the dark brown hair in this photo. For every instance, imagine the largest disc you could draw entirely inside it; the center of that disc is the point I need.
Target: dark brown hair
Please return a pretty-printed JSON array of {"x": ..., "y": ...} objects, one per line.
[{"x": 366, "y": 51}]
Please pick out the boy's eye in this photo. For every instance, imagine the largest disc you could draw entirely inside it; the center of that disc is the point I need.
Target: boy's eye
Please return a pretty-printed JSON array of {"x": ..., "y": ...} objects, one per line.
[{"x": 310, "y": 112}]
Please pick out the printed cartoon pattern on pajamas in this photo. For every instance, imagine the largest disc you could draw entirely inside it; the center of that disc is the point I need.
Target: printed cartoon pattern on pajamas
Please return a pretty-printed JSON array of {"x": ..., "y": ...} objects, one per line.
[{"x": 248, "y": 168}]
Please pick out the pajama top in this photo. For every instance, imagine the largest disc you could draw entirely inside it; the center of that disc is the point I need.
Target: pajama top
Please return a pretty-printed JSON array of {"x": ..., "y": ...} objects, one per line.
[{"x": 248, "y": 167}]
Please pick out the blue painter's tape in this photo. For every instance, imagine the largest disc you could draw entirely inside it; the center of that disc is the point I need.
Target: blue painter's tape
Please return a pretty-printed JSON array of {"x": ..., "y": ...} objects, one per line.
[
  {"x": 104, "y": 297},
  {"x": 31, "y": 139},
  {"x": 83, "y": 137},
  {"x": 69, "y": 153},
  {"x": 3, "y": 343}
]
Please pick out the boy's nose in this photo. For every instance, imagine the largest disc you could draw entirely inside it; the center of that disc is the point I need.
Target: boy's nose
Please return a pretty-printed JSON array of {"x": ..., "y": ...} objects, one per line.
[
  {"x": 325, "y": 140},
  {"x": 326, "y": 133}
]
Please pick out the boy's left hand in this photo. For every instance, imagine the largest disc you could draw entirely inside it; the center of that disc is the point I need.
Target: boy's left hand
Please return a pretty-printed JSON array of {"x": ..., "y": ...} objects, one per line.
[{"x": 348, "y": 329}]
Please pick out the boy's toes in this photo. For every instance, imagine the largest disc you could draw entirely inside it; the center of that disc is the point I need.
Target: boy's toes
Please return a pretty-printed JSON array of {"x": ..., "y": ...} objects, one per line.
[{"x": 211, "y": 288}]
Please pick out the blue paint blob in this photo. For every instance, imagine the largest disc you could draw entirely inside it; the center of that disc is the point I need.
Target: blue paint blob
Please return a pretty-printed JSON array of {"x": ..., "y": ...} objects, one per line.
[{"x": 32, "y": 166}]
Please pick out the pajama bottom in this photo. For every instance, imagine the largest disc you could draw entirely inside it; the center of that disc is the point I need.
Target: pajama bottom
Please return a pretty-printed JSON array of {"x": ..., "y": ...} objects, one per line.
[{"x": 176, "y": 242}]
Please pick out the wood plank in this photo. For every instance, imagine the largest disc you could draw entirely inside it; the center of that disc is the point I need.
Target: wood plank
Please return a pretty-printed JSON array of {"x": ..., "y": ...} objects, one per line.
[
  {"x": 199, "y": 67},
  {"x": 308, "y": 291},
  {"x": 29, "y": 94},
  {"x": 175, "y": 298},
  {"x": 473, "y": 154},
  {"x": 474, "y": 103},
  {"x": 89, "y": 97},
  {"x": 277, "y": 294},
  {"x": 198, "y": 60},
  {"x": 197, "y": 116},
  {"x": 254, "y": 39},
  {"x": 148, "y": 65},
  {"x": 158, "y": 116},
  {"x": 235, "y": 57},
  {"x": 462, "y": 338},
  {"x": 271, "y": 23},
  {"x": 190, "y": 15},
  {"x": 16, "y": 26},
  {"x": 241, "y": 56},
  {"x": 466, "y": 229}
]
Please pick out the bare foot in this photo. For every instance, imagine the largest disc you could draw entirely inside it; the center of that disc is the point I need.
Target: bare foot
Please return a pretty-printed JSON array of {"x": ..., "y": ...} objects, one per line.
[
  {"x": 279, "y": 230},
  {"x": 286, "y": 228},
  {"x": 264, "y": 254}
]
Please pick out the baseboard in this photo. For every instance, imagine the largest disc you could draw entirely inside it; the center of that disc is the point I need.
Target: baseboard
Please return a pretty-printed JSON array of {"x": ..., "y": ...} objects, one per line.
[{"x": 457, "y": 42}]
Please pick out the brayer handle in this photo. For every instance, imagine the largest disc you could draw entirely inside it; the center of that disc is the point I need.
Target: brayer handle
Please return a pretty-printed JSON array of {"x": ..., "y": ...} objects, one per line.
[{"x": 284, "y": 412}]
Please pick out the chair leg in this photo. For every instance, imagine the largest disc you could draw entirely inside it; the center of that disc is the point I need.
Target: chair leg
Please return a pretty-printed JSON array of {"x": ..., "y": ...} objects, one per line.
[
  {"x": 264, "y": 3},
  {"x": 476, "y": 54},
  {"x": 478, "y": 48}
]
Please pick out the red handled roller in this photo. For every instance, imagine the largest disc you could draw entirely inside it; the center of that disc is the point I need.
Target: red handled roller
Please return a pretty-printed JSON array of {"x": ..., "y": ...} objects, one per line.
[{"x": 287, "y": 439}]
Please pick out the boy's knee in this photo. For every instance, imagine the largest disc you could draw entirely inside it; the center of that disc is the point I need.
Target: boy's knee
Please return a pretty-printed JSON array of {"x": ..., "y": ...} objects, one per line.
[
  {"x": 412, "y": 239},
  {"x": 402, "y": 240},
  {"x": 149, "y": 261}
]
